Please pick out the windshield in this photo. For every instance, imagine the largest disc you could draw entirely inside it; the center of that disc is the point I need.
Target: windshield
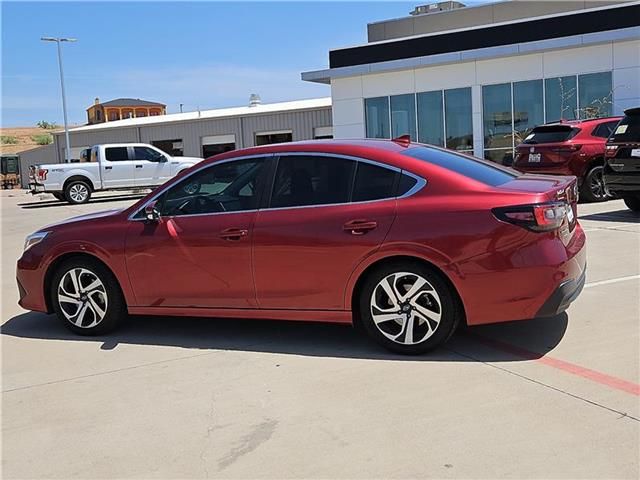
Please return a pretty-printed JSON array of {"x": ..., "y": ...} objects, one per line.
[
  {"x": 628, "y": 130},
  {"x": 551, "y": 134}
]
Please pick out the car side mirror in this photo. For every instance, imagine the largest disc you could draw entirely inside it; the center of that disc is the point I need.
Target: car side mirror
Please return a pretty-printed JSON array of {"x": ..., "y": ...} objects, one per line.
[{"x": 151, "y": 212}]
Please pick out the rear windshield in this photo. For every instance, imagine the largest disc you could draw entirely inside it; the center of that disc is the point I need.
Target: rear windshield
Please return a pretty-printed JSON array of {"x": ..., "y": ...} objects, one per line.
[
  {"x": 551, "y": 134},
  {"x": 480, "y": 170},
  {"x": 628, "y": 130}
]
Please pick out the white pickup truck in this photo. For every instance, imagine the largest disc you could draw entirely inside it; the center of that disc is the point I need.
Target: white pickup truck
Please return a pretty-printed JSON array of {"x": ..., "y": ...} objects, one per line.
[{"x": 113, "y": 166}]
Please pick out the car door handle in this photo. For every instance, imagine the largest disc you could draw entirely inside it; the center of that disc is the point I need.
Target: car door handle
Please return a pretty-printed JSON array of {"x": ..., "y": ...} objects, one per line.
[
  {"x": 359, "y": 227},
  {"x": 139, "y": 166},
  {"x": 233, "y": 234},
  {"x": 108, "y": 168}
]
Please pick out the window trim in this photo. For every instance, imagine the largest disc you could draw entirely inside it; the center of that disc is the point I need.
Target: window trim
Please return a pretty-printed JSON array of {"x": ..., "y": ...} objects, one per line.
[{"x": 272, "y": 166}]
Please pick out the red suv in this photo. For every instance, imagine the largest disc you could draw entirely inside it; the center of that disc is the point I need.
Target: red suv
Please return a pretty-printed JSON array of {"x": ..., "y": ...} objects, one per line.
[
  {"x": 569, "y": 148},
  {"x": 406, "y": 240}
]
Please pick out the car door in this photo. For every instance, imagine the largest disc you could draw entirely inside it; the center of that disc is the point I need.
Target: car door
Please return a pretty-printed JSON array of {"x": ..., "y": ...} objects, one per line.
[
  {"x": 152, "y": 167},
  {"x": 117, "y": 168},
  {"x": 199, "y": 253},
  {"x": 326, "y": 214}
]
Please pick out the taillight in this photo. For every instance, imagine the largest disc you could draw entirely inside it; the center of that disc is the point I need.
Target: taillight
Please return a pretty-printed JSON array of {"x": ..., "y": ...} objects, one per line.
[
  {"x": 42, "y": 173},
  {"x": 610, "y": 150},
  {"x": 574, "y": 147},
  {"x": 542, "y": 217}
]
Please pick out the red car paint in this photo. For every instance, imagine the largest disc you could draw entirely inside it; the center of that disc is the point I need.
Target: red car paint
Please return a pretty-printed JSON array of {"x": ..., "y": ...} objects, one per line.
[
  {"x": 301, "y": 264},
  {"x": 574, "y": 156}
]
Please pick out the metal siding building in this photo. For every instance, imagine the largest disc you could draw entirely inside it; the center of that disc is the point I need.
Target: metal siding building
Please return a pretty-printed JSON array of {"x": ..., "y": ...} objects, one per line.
[{"x": 300, "y": 119}]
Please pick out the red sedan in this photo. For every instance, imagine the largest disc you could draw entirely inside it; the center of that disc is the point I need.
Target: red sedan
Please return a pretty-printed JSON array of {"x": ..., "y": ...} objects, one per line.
[{"x": 407, "y": 240}]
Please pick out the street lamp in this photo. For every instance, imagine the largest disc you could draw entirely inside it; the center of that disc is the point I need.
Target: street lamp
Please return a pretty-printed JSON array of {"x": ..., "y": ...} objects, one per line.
[{"x": 64, "y": 98}]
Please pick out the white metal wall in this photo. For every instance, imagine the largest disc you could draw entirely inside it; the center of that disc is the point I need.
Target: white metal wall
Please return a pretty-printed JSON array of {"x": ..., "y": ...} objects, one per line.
[{"x": 622, "y": 58}]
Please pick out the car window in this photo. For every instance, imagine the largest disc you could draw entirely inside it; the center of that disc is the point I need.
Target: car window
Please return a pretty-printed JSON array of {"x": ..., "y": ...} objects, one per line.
[
  {"x": 550, "y": 134},
  {"x": 374, "y": 182},
  {"x": 480, "y": 170},
  {"x": 628, "y": 130},
  {"x": 226, "y": 187},
  {"x": 146, "y": 153},
  {"x": 406, "y": 184},
  {"x": 604, "y": 129},
  {"x": 312, "y": 180},
  {"x": 116, "y": 154}
]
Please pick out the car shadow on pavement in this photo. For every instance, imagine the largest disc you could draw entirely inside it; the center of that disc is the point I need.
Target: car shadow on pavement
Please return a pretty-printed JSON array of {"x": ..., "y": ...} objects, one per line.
[
  {"x": 621, "y": 216},
  {"x": 512, "y": 341},
  {"x": 58, "y": 203}
]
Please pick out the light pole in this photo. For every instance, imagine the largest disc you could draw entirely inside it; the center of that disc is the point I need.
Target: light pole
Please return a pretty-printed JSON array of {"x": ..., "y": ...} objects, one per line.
[{"x": 64, "y": 98}]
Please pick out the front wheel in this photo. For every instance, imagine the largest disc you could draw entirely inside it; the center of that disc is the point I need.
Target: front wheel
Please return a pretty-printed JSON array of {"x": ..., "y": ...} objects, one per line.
[
  {"x": 408, "y": 308},
  {"x": 86, "y": 297},
  {"x": 77, "y": 191},
  {"x": 593, "y": 189},
  {"x": 633, "y": 203}
]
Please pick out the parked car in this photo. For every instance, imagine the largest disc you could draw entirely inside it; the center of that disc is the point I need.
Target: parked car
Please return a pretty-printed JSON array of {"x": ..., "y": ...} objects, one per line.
[
  {"x": 113, "y": 166},
  {"x": 406, "y": 240},
  {"x": 569, "y": 148},
  {"x": 622, "y": 166}
]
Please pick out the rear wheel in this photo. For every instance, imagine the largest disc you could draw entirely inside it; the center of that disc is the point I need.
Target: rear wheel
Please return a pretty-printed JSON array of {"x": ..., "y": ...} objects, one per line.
[
  {"x": 77, "y": 191},
  {"x": 633, "y": 203},
  {"x": 593, "y": 186},
  {"x": 86, "y": 297},
  {"x": 408, "y": 308}
]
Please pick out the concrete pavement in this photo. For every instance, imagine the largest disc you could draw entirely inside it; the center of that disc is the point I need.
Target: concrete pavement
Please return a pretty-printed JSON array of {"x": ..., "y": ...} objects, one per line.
[{"x": 199, "y": 398}]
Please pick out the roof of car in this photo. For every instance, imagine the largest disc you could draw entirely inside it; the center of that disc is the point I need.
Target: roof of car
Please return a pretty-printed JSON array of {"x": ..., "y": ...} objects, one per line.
[
  {"x": 632, "y": 111},
  {"x": 583, "y": 120}
]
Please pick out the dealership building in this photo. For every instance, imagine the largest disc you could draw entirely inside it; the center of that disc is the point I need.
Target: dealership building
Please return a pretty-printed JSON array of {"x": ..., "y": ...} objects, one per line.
[{"x": 476, "y": 78}]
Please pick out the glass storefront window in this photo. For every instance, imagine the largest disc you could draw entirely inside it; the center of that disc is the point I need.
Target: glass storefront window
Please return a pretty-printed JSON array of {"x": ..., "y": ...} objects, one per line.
[
  {"x": 561, "y": 99},
  {"x": 430, "y": 118},
  {"x": 503, "y": 156},
  {"x": 377, "y": 117},
  {"x": 403, "y": 116},
  {"x": 458, "y": 119},
  {"x": 497, "y": 118},
  {"x": 528, "y": 108},
  {"x": 595, "y": 93}
]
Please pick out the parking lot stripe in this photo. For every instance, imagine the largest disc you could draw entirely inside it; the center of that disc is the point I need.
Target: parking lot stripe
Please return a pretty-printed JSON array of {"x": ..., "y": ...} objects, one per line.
[
  {"x": 611, "y": 280},
  {"x": 587, "y": 373}
]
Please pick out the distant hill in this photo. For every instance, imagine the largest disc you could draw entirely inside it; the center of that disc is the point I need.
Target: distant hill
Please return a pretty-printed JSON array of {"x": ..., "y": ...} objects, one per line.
[{"x": 23, "y": 135}]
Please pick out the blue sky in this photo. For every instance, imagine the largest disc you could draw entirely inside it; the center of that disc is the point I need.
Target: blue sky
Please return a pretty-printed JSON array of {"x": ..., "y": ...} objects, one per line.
[{"x": 202, "y": 54}]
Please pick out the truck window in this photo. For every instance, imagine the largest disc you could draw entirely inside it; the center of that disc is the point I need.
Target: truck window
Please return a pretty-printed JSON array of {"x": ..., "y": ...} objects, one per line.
[
  {"x": 116, "y": 154},
  {"x": 146, "y": 153}
]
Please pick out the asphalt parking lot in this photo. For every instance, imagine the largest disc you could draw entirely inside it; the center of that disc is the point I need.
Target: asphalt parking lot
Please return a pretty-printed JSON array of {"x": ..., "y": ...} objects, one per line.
[{"x": 197, "y": 398}]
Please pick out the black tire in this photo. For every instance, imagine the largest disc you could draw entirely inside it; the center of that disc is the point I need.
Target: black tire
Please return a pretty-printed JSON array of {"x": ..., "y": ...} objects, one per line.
[
  {"x": 592, "y": 189},
  {"x": 451, "y": 313},
  {"x": 109, "y": 295},
  {"x": 633, "y": 203},
  {"x": 59, "y": 196},
  {"x": 77, "y": 192}
]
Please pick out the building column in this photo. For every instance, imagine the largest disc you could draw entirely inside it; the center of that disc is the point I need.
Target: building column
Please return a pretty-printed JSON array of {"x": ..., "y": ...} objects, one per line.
[{"x": 476, "y": 116}]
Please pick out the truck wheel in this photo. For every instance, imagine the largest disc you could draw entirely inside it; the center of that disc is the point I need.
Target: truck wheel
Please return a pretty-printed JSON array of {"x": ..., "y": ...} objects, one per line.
[
  {"x": 59, "y": 196},
  {"x": 593, "y": 186},
  {"x": 77, "y": 191}
]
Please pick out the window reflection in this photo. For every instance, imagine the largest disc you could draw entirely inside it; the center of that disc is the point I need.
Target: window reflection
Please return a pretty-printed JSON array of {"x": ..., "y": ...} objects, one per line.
[
  {"x": 497, "y": 119},
  {"x": 430, "y": 118},
  {"x": 561, "y": 99},
  {"x": 403, "y": 116},
  {"x": 377, "y": 117},
  {"x": 528, "y": 108},
  {"x": 458, "y": 119},
  {"x": 595, "y": 95}
]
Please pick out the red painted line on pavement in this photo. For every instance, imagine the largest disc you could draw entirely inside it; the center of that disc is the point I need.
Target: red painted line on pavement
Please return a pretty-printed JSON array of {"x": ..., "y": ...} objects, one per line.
[{"x": 593, "y": 375}]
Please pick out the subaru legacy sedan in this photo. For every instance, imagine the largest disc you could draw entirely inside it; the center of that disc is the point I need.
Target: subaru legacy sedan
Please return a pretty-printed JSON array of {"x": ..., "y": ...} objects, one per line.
[{"x": 407, "y": 241}]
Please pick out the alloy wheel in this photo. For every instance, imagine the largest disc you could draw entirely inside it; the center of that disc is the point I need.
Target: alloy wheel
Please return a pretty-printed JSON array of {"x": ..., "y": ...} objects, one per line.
[
  {"x": 79, "y": 192},
  {"x": 596, "y": 184},
  {"x": 406, "y": 308},
  {"x": 82, "y": 298}
]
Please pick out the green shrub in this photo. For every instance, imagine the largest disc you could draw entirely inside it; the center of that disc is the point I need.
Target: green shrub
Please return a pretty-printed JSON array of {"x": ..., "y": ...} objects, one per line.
[
  {"x": 8, "y": 140},
  {"x": 45, "y": 139},
  {"x": 47, "y": 125}
]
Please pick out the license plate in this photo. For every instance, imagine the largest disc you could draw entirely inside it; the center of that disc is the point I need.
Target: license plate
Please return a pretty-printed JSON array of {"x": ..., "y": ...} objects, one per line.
[
  {"x": 635, "y": 152},
  {"x": 534, "y": 158}
]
